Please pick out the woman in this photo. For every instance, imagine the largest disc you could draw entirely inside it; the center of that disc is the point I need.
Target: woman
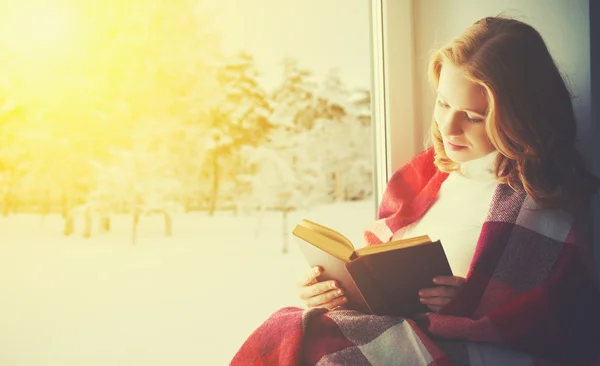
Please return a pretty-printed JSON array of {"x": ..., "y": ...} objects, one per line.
[{"x": 508, "y": 195}]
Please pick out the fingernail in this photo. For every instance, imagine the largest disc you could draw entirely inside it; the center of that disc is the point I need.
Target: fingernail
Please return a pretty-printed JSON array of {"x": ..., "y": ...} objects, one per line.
[
  {"x": 421, "y": 293},
  {"x": 436, "y": 280},
  {"x": 317, "y": 271},
  {"x": 344, "y": 299},
  {"x": 422, "y": 300},
  {"x": 333, "y": 285},
  {"x": 339, "y": 292}
]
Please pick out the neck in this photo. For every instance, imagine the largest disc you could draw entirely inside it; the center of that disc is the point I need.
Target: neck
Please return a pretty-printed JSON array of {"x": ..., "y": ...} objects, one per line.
[{"x": 481, "y": 168}]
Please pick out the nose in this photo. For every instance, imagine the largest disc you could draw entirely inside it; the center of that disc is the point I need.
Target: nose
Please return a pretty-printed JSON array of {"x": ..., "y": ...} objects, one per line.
[{"x": 451, "y": 125}]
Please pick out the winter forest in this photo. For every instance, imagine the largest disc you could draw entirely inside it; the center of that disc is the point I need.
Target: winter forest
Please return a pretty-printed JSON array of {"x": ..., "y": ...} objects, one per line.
[
  {"x": 142, "y": 114},
  {"x": 154, "y": 159}
]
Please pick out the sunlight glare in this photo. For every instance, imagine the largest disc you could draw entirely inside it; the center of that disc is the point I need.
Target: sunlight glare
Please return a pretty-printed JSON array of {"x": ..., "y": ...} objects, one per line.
[{"x": 36, "y": 31}]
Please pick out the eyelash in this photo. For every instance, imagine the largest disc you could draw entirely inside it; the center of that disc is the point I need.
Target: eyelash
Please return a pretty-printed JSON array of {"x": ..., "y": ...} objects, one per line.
[{"x": 471, "y": 120}]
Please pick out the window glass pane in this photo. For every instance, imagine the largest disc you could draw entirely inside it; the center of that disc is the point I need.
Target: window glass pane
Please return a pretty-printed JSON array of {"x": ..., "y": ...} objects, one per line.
[{"x": 154, "y": 159}]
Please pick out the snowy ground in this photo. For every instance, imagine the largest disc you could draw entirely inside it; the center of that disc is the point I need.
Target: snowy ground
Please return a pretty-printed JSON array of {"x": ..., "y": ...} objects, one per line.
[{"x": 187, "y": 300}]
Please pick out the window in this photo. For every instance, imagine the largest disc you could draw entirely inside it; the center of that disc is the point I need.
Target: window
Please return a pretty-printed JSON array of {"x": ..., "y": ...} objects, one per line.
[{"x": 154, "y": 159}]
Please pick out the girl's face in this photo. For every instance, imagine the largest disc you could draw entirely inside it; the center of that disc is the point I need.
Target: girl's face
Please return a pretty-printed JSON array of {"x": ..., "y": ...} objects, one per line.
[{"x": 460, "y": 112}]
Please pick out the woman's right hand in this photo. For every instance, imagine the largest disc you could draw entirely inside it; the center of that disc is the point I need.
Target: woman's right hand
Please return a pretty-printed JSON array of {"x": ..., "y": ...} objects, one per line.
[{"x": 326, "y": 294}]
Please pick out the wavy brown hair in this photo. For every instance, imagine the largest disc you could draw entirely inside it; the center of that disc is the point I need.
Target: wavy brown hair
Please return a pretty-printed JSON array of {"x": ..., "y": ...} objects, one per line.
[{"x": 531, "y": 121}]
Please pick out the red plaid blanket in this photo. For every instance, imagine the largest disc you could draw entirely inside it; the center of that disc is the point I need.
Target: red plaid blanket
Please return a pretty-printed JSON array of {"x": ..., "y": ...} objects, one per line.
[{"x": 529, "y": 298}]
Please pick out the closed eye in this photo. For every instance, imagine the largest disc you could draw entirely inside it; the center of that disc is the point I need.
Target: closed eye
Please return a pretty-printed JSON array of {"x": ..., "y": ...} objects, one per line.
[
  {"x": 442, "y": 104},
  {"x": 473, "y": 120}
]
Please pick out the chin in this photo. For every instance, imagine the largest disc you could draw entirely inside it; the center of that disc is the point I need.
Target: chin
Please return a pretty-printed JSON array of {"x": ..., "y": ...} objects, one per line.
[{"x": 460, "y": 156}]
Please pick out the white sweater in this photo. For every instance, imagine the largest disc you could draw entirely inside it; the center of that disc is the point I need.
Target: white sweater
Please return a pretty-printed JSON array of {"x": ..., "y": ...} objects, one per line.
[{"x": 457, "y": 216}]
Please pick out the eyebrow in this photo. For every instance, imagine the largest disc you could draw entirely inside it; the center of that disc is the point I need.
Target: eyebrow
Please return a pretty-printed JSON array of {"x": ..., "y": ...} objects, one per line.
[{"x": 466, "y": 109}]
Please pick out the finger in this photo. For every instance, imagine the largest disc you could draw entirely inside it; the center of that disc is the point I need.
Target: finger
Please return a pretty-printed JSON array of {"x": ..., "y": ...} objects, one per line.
[
  {"x": 324, "y": 298},
  {"x": 440, "y": 291},
  {"x": 317, "y": 289},
  {"x": 310, "y": 277},
  {"x": 336, "y": 303},
  {"x": 435, "y": 308},
  {"x": 436, "y": 301},
  {"x": 449, "y": 281}
]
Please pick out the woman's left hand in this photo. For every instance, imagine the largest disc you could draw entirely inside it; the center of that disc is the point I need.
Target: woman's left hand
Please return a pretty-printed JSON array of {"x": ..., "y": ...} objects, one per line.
[{"x": 438, "y": 297}]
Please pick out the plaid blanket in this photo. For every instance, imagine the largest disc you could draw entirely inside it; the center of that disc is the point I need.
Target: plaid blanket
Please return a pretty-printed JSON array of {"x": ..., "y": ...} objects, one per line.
[{"x": 530, "y": 297}]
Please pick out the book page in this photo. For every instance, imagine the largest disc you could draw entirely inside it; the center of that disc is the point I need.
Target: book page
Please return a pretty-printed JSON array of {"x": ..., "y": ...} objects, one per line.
[
  {"x": 392, "y": 245},
  {"x": 325, "y": 243},
  {"x": 328, "y": 232}
]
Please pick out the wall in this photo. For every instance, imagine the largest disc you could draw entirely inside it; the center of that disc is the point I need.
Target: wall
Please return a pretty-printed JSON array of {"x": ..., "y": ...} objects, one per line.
[{"x": 594, "y": 151}]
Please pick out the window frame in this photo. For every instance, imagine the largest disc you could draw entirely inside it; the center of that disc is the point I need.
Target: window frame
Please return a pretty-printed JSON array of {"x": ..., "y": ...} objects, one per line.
[{"x": 393, "y": 104}]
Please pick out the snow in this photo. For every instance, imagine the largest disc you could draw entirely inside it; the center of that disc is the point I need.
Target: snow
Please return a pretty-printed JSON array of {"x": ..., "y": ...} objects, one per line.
[{"x": 191, "y": 299}]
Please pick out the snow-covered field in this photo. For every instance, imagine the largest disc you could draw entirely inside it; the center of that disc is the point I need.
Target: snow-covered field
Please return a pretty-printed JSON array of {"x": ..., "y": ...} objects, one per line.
[{"x": 191, "y": 299}]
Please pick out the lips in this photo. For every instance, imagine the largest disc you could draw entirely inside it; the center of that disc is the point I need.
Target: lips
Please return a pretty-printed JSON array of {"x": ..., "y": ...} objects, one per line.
[{"x": 454, "y": 146}]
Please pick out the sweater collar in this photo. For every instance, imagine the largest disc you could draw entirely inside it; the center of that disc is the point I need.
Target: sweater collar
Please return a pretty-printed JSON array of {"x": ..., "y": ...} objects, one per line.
[{"x": 481, "y": 168}]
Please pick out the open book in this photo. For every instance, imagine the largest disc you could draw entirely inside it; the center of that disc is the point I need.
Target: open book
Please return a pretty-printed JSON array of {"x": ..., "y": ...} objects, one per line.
[{"x": 382, "y": 279}]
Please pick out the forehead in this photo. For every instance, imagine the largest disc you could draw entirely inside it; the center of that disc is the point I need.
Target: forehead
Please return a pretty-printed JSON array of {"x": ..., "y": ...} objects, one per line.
[{"x": 459, "y": 91}]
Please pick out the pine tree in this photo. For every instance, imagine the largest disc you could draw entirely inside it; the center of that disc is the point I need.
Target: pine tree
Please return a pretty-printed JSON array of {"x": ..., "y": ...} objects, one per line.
[
  {"x": 282, "y": 173},
  {"x": 294, "y": 99},
  {"x": 242, "y": 118},
  {"x": 343, "y": 138}
]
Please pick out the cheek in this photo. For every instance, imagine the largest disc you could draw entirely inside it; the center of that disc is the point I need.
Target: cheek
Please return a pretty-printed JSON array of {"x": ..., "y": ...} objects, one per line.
[{"x": 480, "y": 138}]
